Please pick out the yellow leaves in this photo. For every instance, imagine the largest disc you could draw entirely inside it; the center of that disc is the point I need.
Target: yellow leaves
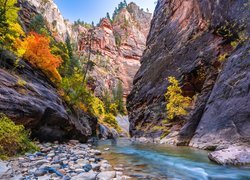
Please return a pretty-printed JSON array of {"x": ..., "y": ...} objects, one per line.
[
  {"x": 10, "y": 29},
  {"x": 83, "y": 107},
  {"x": 176, "y": 102}
]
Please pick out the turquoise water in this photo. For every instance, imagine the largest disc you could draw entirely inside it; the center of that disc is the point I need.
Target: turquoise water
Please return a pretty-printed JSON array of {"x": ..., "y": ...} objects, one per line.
[{"x": 151, "y": 161}]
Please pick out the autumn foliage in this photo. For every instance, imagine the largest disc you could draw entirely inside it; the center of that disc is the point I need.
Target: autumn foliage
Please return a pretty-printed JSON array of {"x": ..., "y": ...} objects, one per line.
[
  {"x": 176, "y": 102},
  {"x": 35, "y": 49}
]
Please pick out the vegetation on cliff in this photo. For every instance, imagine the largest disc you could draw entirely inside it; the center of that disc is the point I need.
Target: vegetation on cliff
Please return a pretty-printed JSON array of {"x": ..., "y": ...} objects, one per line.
[
  {"x": 14, "y": 139},
  {"x": 176, "y": 102}
]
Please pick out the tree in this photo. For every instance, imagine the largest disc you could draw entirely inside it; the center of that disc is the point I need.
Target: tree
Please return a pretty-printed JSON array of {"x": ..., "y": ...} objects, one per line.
[
  {"x": 118, "y": 97},
  {"x": 10, "y": 29},
  {"x": 125, "y": 3},
  {"x": 37, "y": 24},
  {"x": 90, "y": 64},
  {"x": 35, "y": 49},
  {"x": 176, "y": 102},
  {"x": 108, "y": 17}
]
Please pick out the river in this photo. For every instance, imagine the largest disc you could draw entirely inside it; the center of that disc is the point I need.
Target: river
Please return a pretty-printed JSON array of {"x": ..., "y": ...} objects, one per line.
[{"x": 159, "y": 162}]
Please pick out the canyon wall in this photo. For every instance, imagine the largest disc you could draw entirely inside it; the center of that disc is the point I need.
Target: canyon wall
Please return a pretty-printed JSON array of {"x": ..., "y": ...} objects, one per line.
[
  {"x": 204, "y": 45},
  {"x": 29, "y": 98}
]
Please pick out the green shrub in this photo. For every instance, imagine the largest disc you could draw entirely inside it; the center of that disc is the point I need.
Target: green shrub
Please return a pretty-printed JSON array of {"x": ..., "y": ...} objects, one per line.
[
  {"x": 110, "y": 120},
  {"x": 14, "y": 139}
]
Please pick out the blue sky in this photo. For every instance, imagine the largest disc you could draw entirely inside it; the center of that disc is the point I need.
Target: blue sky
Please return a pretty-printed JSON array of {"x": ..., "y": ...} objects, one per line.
[{"x": 93, "y": 10}]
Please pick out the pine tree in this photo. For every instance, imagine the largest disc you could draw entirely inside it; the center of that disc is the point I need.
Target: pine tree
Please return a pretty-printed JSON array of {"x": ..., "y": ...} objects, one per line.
[
  {"x": 125, "y": 3},
  {"x": 108, "y": 17},
  {"x": 118, "y": 97}
]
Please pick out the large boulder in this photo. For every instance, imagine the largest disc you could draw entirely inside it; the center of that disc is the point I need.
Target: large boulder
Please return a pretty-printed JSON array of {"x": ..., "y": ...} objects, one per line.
[{"x": 29, "y": 98}]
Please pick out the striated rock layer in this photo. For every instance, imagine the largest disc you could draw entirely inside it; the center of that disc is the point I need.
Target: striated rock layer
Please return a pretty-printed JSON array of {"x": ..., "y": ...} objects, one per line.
[
  {"x": 30, "y": 99},
  {"x": 116, "y": 48},
  {"x": 205, "y": 45}
]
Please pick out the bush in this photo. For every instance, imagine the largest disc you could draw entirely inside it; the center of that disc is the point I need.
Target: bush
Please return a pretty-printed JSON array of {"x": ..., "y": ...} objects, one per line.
[
  {"x": 35, "y": 48},
  {"x": 14, "y": 139},
  {"x": 110, "y": 120},
  {"x": 176, "y": 102}
]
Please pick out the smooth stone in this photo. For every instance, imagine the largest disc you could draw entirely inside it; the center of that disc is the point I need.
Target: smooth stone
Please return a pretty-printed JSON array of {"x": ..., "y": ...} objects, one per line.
[
  {"x": 96, "y": 167},
  {"x": 87, "y": 167},
  {"x": 85, "y": 176},
  {"x": 118, "y": 169},
  {"x": 97, "y": 152},
  {"x": 107, "y": 175},
  {"x": 85, "y": 146},
  {"x": 56, "y": 166},
  {"x": 74, "y": 141},
  {"x": 39, "y": 172},
  {"x": 106, "y": 149},
  {"x": 62, "y": 171},
  {"x": 92, "y": 160},
  {"x": 79, "y": 170},
  {"x": 41, "y": 162},
  {"x": 46, "y": 177},
  {"x": 51, "y": 154}
]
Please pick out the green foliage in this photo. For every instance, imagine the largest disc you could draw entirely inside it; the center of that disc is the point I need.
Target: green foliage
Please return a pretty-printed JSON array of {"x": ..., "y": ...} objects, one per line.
[
  {"x": 77, "y": 94},
  {"x": 10, "y": 29},
  {"x": 121, "y": 5},
  {"x": 118, "y": 39},
  {"x": 158, "y": 128},
  {"x": 176, "y": 102},
  {"x": 222, "y": 57},
  {"x": 82, "y": 23},
  {"x": 166, "y": 132},
  {"x": 108, "y": 17},
  {"x": 14, "y": 139},
  {"x": 21, "y": 82},
  {"x": 118, "y": 97},
  {"x": 37, "y": 24},
  {"x": 109, "y": 103},
  {"x": 110, "y": 120}
]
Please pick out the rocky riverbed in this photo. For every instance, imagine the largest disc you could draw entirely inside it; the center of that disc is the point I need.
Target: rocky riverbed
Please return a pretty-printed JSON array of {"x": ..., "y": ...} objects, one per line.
[{"x": 71, "y": 161}]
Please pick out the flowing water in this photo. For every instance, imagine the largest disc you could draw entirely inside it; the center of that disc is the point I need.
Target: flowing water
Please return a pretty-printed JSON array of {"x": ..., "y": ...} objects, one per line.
[{"x": 151, "y": 161}]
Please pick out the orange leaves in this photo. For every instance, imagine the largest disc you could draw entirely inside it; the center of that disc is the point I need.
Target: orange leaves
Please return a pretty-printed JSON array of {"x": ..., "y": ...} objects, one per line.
[{"x": 35, "y": 49}]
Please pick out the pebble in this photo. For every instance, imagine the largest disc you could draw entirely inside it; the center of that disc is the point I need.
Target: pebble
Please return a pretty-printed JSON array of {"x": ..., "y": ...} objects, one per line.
[{"x": 62, "y": 161}]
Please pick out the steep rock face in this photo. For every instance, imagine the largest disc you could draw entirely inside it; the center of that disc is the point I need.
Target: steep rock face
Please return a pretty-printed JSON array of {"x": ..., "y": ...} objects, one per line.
[
  {"x": 59, "y": 27},
  {"x": 195, "y": 41},
  {"x": 28, "y": 98},
  {"x": 117, "y": 47}
]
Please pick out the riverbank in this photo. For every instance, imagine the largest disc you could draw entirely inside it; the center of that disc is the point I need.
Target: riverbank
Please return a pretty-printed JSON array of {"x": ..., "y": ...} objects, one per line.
[{"x": 61, "y": 161}]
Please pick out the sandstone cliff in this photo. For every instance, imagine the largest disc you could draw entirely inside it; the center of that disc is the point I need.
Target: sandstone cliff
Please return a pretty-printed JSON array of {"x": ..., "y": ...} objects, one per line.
[
  {"x": 117, "y": 47},
  {"x": 205, "y": 45},
  {"x": 30, "y": 99}
]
